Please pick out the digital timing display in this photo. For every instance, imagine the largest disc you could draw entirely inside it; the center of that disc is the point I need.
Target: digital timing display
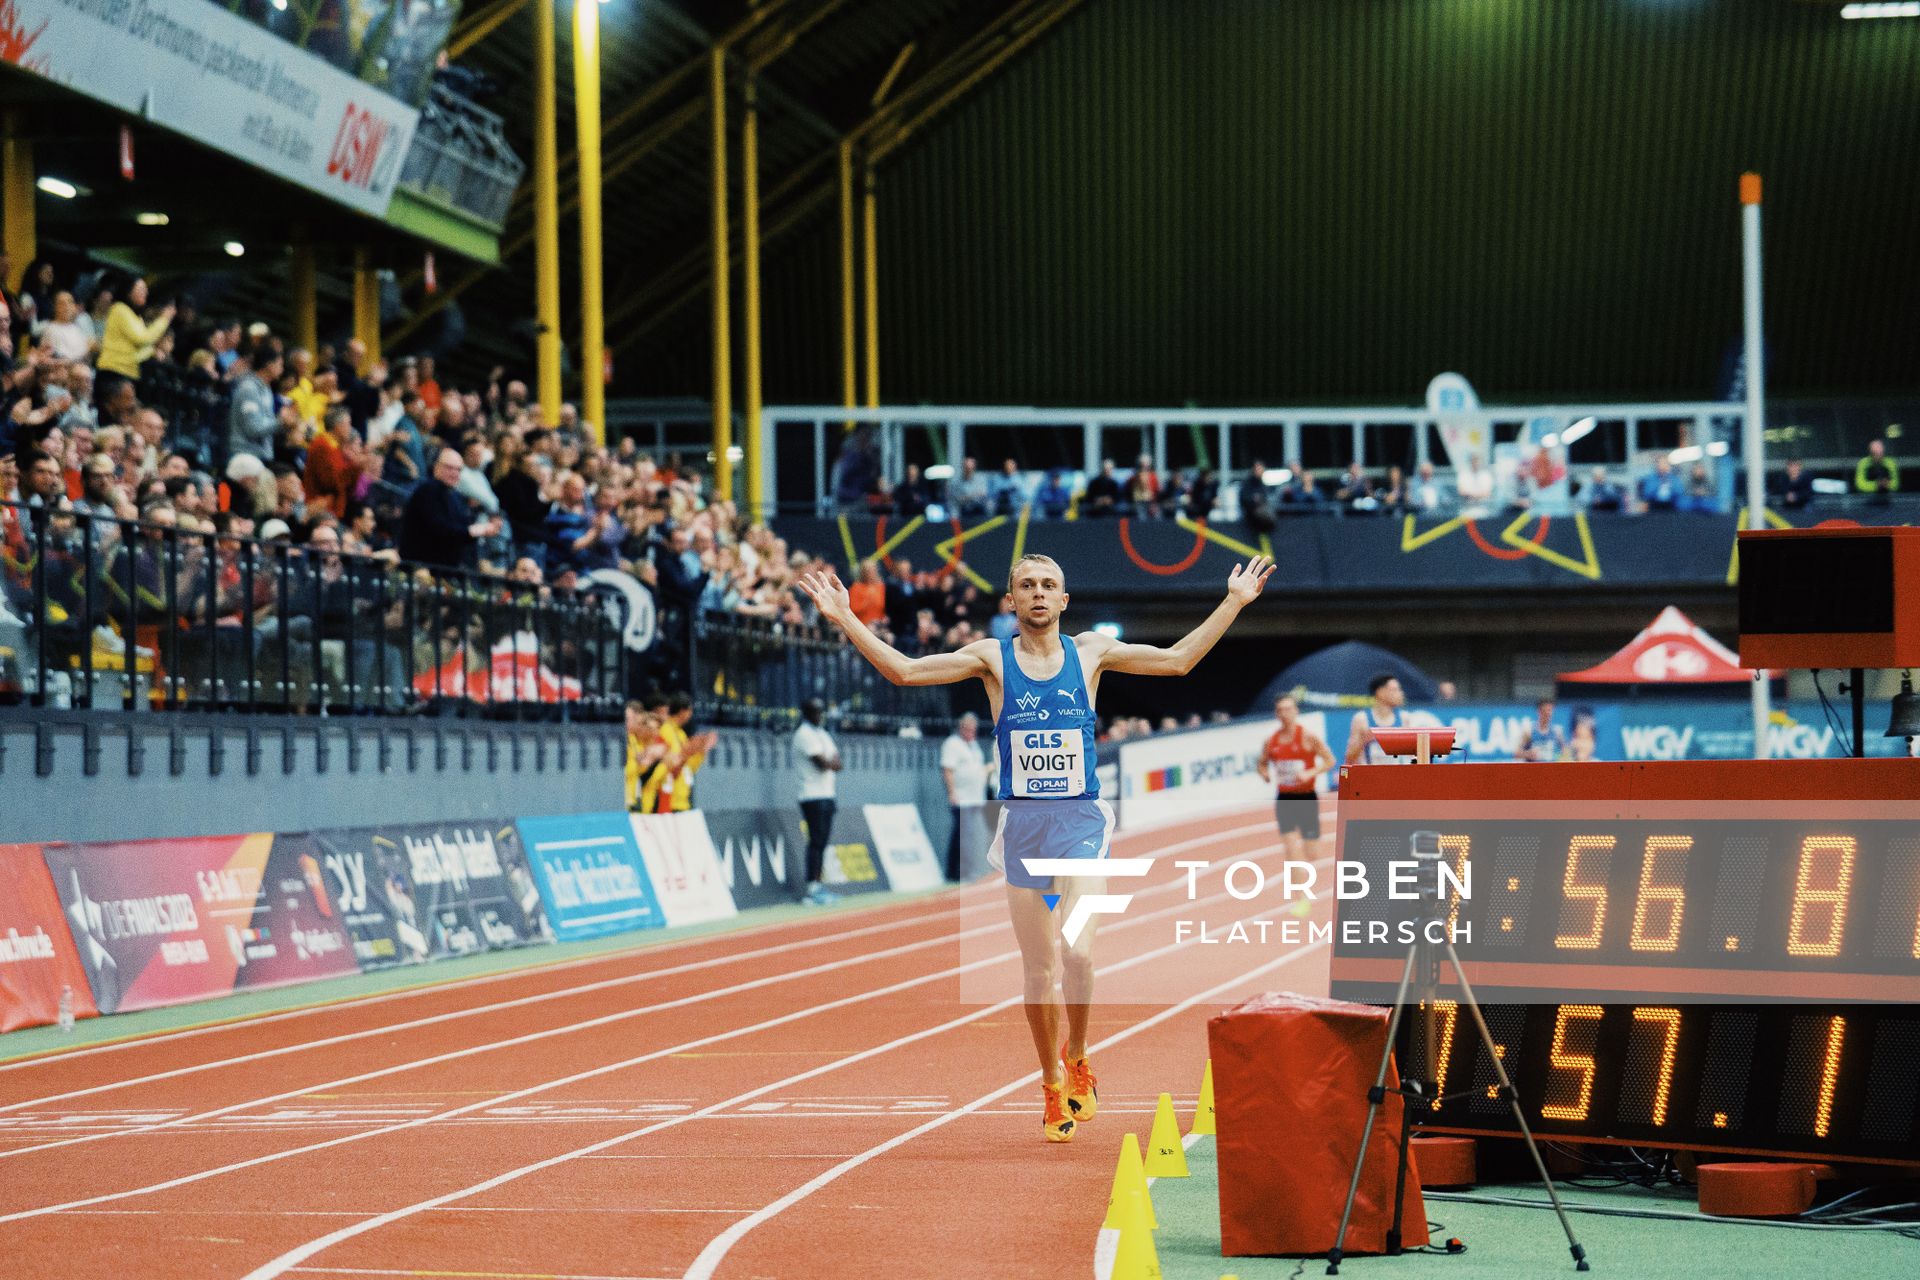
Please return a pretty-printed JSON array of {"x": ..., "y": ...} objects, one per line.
[
  {"x": 1815, "y": 1080},
  {"x": 1769, "y": 909},
  {"x": 1714, "y": 955}
]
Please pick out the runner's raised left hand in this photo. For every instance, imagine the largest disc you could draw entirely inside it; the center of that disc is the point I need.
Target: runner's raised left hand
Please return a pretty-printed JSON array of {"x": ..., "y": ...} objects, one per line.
[{"x": 1245, "y": 583}]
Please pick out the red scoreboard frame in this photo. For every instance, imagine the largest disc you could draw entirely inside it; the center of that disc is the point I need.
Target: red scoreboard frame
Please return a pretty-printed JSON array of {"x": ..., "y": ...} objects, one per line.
[{"x": 1607, "y": 890}]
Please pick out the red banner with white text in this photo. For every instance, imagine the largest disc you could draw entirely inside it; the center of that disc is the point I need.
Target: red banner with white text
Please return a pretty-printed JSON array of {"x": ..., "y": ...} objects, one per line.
[{"x": 37, "y": 959}]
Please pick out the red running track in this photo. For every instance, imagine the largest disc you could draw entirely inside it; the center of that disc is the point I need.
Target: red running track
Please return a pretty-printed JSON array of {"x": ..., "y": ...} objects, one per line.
[{"x": 801, "y": 1099}]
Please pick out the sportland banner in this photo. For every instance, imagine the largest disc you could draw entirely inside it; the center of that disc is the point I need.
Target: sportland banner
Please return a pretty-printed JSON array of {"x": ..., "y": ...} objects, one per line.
[
  {"x": 160, "y": 922},
  {"x": 445, "y": 888},
  {"x": 37, "y": 959},
  {"x": 202, "y": 71},
  {"x": 1179, "y": 776}
]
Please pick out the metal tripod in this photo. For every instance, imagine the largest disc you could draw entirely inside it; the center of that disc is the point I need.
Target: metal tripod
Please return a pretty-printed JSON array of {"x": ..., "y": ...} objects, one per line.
[{"x": 1421, "y": 955}]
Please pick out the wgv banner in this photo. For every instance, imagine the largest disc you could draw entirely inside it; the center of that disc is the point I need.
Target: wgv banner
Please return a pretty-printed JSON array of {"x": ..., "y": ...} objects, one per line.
[
  {"x": 1644, "y": 729},
  {"x": 590, "y": 875},
  {"x": 200, "y": 70}
]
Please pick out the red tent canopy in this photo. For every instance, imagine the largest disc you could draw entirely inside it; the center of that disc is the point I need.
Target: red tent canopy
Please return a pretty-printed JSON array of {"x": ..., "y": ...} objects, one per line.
[{"x": 1671, "y": 651}]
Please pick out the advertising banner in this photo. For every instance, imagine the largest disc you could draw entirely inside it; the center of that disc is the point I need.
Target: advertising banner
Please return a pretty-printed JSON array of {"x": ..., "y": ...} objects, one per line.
[
  {"x": 1640, "y": 729},
  {"x": 903, "y": 846},
  {"x": 210, "y": 74},
  {"x": 37, "y": 959},
  {"x": 683, "y": 866},
  {"x": 446, "y": 889},
  {"x": 762, "y": 855},
  {"x": 160, "y": 922},
  {"x": 590, "y": 875},
  {"x": 1180, "y": 775},
  {"x": 849, "y": 865}
]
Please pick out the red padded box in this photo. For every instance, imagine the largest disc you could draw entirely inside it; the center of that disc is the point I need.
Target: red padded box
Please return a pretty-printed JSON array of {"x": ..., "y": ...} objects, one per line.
[{"x": 1290, "y": 1081}]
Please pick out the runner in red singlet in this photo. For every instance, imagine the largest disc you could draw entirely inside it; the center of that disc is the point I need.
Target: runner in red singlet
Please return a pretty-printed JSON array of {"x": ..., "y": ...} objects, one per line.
[{"x": 1292, "y": 760}]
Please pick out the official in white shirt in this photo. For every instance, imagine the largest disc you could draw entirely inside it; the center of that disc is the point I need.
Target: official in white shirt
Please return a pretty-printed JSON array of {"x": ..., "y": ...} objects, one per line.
[
  {"x": 965, "y": 770},
  {"x": 818, "y": 760}
]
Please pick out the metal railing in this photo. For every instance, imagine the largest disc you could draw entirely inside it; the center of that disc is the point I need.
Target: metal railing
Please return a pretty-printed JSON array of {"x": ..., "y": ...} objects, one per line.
[
  {"x": 460, "y": 158},
  {"x": 1224, "y": 441},
  {"x": 105, "y": 613},
  {"x": 757, "y": 672}
]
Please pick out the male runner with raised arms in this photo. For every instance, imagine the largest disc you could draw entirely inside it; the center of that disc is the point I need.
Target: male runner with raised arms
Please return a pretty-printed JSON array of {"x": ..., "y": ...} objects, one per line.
[{"x": 1041, "y": 691}]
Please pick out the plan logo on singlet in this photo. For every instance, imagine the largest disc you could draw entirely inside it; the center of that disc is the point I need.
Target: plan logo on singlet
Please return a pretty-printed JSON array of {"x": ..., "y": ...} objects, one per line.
[
  {"x": 1071, "y": 695},
  {"x": 1028, "y": 701}
]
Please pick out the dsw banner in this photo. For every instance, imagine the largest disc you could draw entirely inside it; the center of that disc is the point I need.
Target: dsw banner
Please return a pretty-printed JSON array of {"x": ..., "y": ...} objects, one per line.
[
  {"x": 37, "y": 959},
  {"x": 210, "y": 74},
  {"x": 160, "y": 922}
]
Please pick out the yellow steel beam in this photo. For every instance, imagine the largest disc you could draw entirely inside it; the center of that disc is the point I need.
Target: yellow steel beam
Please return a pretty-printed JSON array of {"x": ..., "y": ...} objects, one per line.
[
  {"x": 366, "y": 302},
  {"x": 893, "y": 72},
  {"x": 16, "y": 200},
  {"x": 303, "y": 292},
  {"x": 586, "y": 117},
  {"x": 848, "y": 373},
  {"x": 477, "y": 26},
  {"x": 546, "y": 225},
  {"x": 722, "y": 292},
  {"x": 750, "y": 299},
  {"x": 643, "y": 310},
  {"x": 870, "y": 284},
  {"x": 1012, "y": 49}
]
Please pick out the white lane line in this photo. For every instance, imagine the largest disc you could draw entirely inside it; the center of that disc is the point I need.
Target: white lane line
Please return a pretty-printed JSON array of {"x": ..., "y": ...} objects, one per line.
[
  {"x": 280, "y": 1265},
  {"x": 592, "y": 1073},
  {"x": 530, "y": 1037},
  {"x": 604, "y": 984},
  {"x": 638, "y": 950},
  {"x": 490, "y": 1045},
  {"x": 710, "y": 1257}
]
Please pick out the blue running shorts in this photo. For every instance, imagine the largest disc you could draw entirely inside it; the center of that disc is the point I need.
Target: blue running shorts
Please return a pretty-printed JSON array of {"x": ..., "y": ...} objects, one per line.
[{"x": 1078, "y": 828}]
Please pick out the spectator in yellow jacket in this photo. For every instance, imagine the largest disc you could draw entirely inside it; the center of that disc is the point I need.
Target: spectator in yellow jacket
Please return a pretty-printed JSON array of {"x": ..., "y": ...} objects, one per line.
[
  {"x": 1877, "y": 474},
  {"x": 692, "y": 749},
  {"x": 645, "y": 751},
  {"x": 129, "y": 340}
]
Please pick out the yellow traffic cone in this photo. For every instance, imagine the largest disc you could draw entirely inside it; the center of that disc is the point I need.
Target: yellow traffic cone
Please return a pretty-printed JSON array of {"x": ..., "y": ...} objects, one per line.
[
  {"x": 1136, "y": 1258},
  {"x": 1127, "y": 1175},
  {"x": 1165, "y": 1157},
  {"x": 1203, "y": 1113}
]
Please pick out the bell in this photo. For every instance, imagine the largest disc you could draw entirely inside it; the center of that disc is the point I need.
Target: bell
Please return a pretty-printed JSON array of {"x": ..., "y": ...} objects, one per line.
[{"x": 1906, "y": 711}]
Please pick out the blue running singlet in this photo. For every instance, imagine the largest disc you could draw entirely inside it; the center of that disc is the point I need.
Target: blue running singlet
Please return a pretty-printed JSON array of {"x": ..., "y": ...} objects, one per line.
[{"x": 1045, "y": 735}]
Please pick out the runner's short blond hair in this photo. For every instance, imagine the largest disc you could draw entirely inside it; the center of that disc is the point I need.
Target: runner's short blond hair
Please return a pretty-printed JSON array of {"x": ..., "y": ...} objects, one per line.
[{"x": 1049, "y": 561}]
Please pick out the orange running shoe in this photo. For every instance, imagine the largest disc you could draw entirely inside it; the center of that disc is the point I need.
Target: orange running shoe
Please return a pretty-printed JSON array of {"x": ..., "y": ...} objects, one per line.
[
  {"x": 1083, "y": 1093},
  {"x": 1054, "y": 1121}
]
